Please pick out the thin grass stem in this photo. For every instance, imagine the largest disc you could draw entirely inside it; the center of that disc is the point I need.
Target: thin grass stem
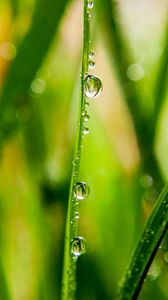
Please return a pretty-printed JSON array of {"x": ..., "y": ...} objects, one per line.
[{"x": 69, "y": 268}]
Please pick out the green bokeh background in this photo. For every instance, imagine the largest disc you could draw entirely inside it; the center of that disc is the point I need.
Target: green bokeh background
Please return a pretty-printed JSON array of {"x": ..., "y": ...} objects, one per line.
[{"x": 40, "y": 61}]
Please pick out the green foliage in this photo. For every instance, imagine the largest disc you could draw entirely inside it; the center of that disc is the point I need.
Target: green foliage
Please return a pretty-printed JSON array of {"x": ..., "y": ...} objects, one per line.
[{"x": 124, "y": 156}]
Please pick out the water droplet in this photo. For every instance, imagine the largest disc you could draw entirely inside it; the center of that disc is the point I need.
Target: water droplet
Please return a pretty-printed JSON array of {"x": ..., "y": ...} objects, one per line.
[
  {"x": 92, "y": 86},
  {"x": 86, "y": 104},
  {"x": 86, "y": 130},
  {"x": 90, "y": 4},
  {"x": 84, "y": 112},
  {"x": 86, "y": 117},
  {"x": 91, "y": 54},
  {"x": 91, "y": 64},
  {"x": 81, "y": 190},
  {"x": 76, "y": 215},
  {"x": 78, "y": 246}
]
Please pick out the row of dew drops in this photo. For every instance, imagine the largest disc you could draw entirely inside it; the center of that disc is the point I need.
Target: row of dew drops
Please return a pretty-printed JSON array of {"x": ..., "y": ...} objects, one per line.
[{"x": 92, "y": 88}]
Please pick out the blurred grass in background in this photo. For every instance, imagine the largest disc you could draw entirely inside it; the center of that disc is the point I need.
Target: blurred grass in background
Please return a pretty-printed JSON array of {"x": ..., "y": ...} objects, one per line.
[{"x": 40, "y": 56}]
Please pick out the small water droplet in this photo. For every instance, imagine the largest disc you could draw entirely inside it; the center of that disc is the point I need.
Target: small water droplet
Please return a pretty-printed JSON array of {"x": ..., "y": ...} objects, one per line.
[
  {"x": 81, "y": 190},
  {"x": 78, "y": 246},
  {"x": 83, "y": 112},
  {"x": 91, "y": 64},
  {"x": 91, "y": 54},
  {"x": 86, "y": 104},
  {"x": 92, "y": 86},
  {"x": 76, "y": 215},
  {"x": 86, "y": 117},
  {"x": 86, "y": 130},
  {"x": 90, "y": 4}
]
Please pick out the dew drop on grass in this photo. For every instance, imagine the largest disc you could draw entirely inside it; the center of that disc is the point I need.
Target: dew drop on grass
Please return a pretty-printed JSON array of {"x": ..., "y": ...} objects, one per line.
[
  {"x": 91, "y": 54},
  {"x": 92, "y": 86},
  {"x": 91, "y": 64},
  {"x": 81, "y": 190},
  {"x": 86, "y": 117},
  {"x": 90, "y": 4},
  {"x": 83, "y": 112},
  {"x": 86, "y": 130},
  {"x": 78, "y": 246},
  {"x": 76, "y": 215}
]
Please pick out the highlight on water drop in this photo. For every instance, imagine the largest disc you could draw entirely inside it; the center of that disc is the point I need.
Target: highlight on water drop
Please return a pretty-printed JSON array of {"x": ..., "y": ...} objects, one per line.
[
  {"x": 78, "y": 246},
  {"x": 92, "y": 86},
  {"x": 81, "y": 190},
  {"x": 90, "y": 4}
]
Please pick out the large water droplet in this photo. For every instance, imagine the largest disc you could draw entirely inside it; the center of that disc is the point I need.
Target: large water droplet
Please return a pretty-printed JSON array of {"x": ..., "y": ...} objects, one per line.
[
  {"x": 81, "y": 190},
  {"x": 90, "y": 4},
  {"x": 78, "y": 246},
  {"x": 92, "y": 86}
]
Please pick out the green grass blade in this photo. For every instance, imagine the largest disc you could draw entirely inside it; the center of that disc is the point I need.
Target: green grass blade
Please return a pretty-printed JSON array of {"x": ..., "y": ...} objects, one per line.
[
  {"x": 14, "y": 6},
  {"x": 161, "y": 82},
  {"x": 149, "y": 241},
  {"x": 4, "y": 290},
  {"x": 69, "y": 268},
  {"x": 122, "y": 58}
]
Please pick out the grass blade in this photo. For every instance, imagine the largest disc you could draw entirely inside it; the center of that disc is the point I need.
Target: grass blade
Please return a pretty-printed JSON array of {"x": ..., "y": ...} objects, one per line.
[
  {"x": 150, "y": 239},
  {"x": 4, "y": 290},
  {"x": 122, "y": 58},
  {"x": 161, "y": 82},
  {"x": 69, "y": 268}
]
